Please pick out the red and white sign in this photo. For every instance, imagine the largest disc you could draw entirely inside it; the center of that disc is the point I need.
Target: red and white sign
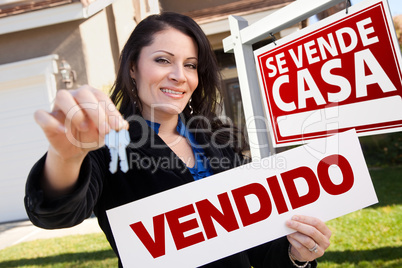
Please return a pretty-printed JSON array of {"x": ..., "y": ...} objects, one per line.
[
  {"x": 340, "y": 73},
  {"x": 223, "y": 214}
]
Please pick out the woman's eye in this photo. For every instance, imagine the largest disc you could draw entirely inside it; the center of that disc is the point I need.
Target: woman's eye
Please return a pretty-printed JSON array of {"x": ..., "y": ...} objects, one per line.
[
  {"x": 191, "y": 66},
  {"x": 162, "y": 60}
]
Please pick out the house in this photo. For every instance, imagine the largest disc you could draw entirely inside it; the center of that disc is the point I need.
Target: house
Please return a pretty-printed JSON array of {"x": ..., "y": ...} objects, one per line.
[
  {"x": 398, "y": 28},
  {"x": 48, "y": 45}
]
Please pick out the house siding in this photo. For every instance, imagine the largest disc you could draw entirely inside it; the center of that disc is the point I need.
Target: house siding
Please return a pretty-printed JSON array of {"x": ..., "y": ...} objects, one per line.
[{"x": 63, "y": 39}]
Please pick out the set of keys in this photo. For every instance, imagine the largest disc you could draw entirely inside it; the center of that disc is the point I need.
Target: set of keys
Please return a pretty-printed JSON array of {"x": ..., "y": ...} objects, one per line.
[{"x": 117, "y": 143}]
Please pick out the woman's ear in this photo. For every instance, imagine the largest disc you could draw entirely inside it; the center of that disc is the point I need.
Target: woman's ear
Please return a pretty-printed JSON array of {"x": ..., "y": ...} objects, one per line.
[{"x": 132, "y": 72}]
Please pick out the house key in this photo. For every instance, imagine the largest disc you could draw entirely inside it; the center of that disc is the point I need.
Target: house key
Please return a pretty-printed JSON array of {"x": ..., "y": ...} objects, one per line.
[{"x": 117, "y": 143}]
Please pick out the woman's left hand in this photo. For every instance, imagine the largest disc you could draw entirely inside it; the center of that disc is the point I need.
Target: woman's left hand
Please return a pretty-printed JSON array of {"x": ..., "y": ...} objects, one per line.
[{"x": 311, "y": 238}]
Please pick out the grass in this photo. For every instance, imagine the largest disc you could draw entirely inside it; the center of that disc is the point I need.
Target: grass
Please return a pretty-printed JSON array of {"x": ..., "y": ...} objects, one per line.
[
  {"x": 371, "y": 237},
  {"x": 368, "y": 238},
  {"x": 90, "y": 250}
]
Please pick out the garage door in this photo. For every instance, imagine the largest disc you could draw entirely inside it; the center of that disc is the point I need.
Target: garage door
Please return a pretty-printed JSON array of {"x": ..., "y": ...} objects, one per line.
[{"x": 25, "y": 86}]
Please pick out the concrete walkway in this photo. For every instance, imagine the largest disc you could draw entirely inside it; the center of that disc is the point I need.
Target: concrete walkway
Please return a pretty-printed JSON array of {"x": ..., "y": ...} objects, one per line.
[{"x": 17, "y": 232}]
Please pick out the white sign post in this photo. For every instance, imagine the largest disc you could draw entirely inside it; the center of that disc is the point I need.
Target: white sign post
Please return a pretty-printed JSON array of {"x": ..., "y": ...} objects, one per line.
[
  {"x": 223, "y": 214},
  {"x": 240, "y": 42}
]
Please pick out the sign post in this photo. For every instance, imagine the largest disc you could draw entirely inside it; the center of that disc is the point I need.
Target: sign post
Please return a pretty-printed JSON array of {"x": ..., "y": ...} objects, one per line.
[
  {"x": 259, "y": 142},
  {"x": 240, "y": 42}
]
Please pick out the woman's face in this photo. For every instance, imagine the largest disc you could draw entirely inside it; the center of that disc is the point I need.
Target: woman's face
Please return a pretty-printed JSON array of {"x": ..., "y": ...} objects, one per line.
[{"x": 166, "y": 74}]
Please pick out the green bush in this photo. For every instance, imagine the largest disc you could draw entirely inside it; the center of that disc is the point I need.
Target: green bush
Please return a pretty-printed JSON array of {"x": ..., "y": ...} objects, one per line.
[{"x": 383, "y": 150}]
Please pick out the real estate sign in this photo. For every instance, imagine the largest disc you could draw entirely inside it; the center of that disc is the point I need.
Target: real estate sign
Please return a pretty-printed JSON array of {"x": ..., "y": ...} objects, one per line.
[{"x": 343, "y": 72}]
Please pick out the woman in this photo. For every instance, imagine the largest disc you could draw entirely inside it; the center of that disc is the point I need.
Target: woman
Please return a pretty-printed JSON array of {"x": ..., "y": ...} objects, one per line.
[{"x": 167, "y": 89}]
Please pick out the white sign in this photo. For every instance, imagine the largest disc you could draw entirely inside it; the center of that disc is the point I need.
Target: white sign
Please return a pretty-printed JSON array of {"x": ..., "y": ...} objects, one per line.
[
  {"x": 340, "y": 73},
  {"x": 223, "y": 214}
]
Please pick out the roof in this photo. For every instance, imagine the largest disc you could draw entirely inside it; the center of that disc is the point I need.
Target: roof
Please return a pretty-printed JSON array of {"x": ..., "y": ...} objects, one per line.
[
  {"x": 19, "y": 7},
  {"x": 240, "y": 8},
  {"x": 19, "y": 15}
]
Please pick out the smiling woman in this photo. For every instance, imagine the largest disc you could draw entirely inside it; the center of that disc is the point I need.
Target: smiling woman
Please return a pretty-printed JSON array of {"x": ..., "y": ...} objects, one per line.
[
  {"x": 168, "y": 86},
  {"x": 166, "y": 75}
]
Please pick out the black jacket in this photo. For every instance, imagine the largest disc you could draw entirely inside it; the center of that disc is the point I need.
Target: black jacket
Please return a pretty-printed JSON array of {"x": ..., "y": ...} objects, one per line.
[{"x": 98, "y": 190}]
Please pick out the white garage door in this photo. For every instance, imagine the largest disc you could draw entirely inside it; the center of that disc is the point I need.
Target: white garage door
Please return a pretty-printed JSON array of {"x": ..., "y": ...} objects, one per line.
[{"x": 25, "y": 86}]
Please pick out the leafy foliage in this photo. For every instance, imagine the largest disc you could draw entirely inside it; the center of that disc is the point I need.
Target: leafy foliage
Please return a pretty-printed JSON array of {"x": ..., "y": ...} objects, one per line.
[{"x": 383, "y": 150}]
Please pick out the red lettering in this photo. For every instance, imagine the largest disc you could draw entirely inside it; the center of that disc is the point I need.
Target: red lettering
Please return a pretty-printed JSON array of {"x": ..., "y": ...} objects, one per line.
[
  {"x": 226, "y": 218},
  {"x": 308, "y": 175},
  {"x": 178, "y": 228},
  {"x": 157, "y": 247},
  {"x": 277, "y": 194},
  {"x": 260, "y": 192},
  {"x": 347, "y": 173}
]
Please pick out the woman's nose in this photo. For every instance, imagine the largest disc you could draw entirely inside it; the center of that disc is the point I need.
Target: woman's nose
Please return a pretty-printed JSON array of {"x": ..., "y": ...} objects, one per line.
[{"x": 177, "y": 74}]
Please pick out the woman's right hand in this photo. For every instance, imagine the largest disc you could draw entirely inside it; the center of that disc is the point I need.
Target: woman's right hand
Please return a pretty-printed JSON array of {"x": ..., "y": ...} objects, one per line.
[
  {"x": 79, "y": 121},
  {"x": 77, "y": 124}
]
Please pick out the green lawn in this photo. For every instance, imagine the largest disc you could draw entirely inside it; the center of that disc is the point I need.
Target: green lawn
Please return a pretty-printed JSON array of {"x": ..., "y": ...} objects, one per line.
[
  {"x": 368, "y": 238},
  {"x": 90, "y": 250},
  {"x": 371, "y": 237}
]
